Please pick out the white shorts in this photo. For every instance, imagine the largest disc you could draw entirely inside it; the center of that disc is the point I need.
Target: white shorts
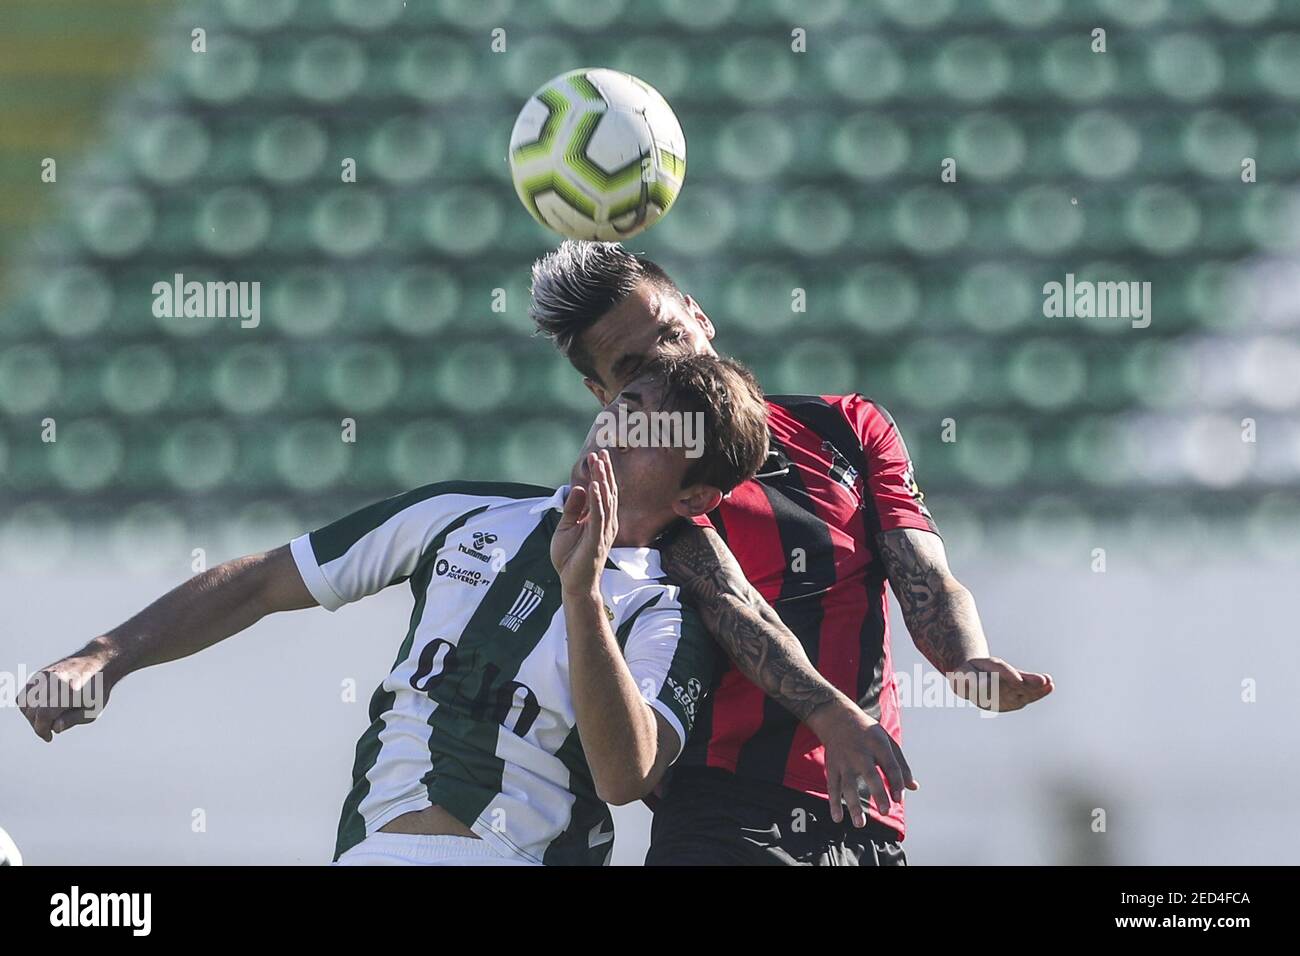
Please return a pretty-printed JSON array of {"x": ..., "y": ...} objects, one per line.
[{"x": 413, "y": 849}]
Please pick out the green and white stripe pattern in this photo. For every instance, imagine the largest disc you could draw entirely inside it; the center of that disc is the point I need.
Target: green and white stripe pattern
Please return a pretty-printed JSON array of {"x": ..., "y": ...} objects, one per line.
[{"x": 476, "y": 715}]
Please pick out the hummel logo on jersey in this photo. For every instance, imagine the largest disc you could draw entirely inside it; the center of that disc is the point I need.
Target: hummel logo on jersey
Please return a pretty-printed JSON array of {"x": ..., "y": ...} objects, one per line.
[
  {"x": 530, "y": 596},
  {"x": 483, "y": 538}
]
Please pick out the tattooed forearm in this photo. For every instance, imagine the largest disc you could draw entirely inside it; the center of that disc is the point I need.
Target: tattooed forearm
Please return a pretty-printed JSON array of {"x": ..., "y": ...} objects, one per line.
[
  {"x": 743, "y": 623},
  {"x": 940, "y": 612}
]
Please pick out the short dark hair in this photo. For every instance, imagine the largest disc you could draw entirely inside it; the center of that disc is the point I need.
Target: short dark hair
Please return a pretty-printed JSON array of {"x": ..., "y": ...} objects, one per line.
[
  {"x": 734, "y": 410},
  {"x": 578, "y": 282}
]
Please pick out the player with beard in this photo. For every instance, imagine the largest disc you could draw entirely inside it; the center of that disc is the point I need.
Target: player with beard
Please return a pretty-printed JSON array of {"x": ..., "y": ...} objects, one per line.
[{"x": 789, "y": 575}]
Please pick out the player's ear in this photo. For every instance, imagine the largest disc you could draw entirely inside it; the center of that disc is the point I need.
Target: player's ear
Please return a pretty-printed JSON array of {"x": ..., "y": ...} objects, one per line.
[
  {"x": 704, "y": 322},
  {"x": 598, "y": 390},
  {"x": 697, "y": 500}
]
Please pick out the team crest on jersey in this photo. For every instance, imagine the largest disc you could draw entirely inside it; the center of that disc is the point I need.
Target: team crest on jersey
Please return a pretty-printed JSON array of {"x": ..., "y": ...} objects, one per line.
[
  {"x": 530, "y": 597},
  {"x": 841, "y": 471}
]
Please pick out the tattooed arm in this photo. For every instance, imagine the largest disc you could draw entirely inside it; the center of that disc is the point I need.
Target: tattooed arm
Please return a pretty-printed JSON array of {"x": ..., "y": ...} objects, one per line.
[
  {"x": 941, "y": 617},
  {"x": 766, "y": 652}
]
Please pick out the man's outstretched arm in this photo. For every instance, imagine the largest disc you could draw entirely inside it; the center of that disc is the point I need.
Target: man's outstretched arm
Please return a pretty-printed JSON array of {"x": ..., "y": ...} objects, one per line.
[
  {"x": 945, "y": 626},
  {"x": 206, "y": 609},
  {"x": 769, "y": 655}
]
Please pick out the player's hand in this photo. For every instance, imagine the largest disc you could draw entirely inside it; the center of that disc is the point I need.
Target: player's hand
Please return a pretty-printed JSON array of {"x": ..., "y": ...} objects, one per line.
[
  {"x": 66, "y": 693},
  {"x": 587, "y": 528},
  {"x": 858, "y": 751},
  {"x": 993, "y": 684}
]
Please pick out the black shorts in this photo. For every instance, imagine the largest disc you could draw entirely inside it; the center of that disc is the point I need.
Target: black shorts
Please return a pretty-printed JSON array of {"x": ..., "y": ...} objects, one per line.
[{"x": 713, "y": 818}]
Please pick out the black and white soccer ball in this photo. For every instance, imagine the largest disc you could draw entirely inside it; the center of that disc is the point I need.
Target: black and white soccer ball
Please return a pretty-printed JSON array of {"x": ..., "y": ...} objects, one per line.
[{"x": 9, "y": 855}]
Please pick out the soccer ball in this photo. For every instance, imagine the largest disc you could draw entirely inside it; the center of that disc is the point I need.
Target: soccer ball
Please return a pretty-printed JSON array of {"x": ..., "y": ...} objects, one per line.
[
  {"x": 9, "y": 855},
  {"x": 597, "y": 154}
]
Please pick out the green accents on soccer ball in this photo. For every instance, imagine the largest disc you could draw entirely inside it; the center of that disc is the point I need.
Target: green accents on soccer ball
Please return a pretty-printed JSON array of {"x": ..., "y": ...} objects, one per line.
[
  {"x": 575, "y": 157},
  {"x": 659, "y": 194},
  {"x": 530, "y": 189},
  {"x": 557, "y": 106},
  {"x": 585, "y": 88},
  {"x": 672, "y": 164}
]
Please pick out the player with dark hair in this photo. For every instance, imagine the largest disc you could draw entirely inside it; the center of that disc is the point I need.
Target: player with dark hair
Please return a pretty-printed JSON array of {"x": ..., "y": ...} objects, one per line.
[
  {"x": 548, "y": 669},
  {"x": 808, "y": 709}
]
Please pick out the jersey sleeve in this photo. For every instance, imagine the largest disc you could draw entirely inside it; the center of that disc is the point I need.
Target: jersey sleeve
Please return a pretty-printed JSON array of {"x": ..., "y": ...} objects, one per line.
[
  {"x": 891, "y": 479},
  {"x": 379, "y": 545},
  {"x": 673, "y": 660}
]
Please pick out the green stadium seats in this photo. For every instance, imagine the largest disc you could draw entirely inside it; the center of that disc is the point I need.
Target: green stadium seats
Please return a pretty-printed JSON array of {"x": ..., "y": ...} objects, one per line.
[
  {"x": 227, "y": 72},
  {"x": 349, "y": 221},
  {"x": 1101, "y": 144},
  {"x": 1162, "y": 219},
  {"x": 823, "y": 362},
  {"x": 996, "y": 297},
  {"x": 754, "y": 146},
  {"x": 1046, "y": 374},
  {"x": 1043, "y": 221},
  {"x": 870, "y": 146},
  {"x": 170, "y": 149},
  {"x": 260, "y": 15},
  {"x": 198, "y": 455},
  {"x": 1277, "y": 65},
  {"x": 930, "y": 221},
  {"x": 987, "y": 146},
  {"x": 1074, "y": 73},
  {"x": 540, "y": 452},
  {"x": 86, "y": 457},
  {"x": 1027, "y": 14},
  {"x": 865, "y": 69},
  {"x": 933, "y": 375},
  {"x": 289, "y": 149},
  {"x": 249, "y": 380},
  {"x": 972, "y": 69},
  {"x": 328, "y": 69},
  {"x": 362, "y": 378},
  {"x": 694, "y": 15},
  {"x": 424, "y": 451},
  {"x": 368, "y": 15},
  {"x": 233, "y": 222},
  {"x": 1186, "y": 67},
  {"x": 76, "y": 301},
  {"x": 305, "y": 303},
  {"x": 464, "y": 222},
  {"x": 993, "y": 451},
  {"x": 817, "y": 172},
  {"x": 404, "y": 149},
  {"x": 660, "y": 61},
  {"x": 311, "y": 455},
  {"x": 702, "y": 221},
  {"x": 116, "y": 223},
  {"x": 434, "y": 69},
  {"x": 812, "y": 222},
  {"x": 30, "y": 380},
  {"x": 138, "y": 379},
  {"x": 879, "y": 298},
  {"x": 919, "y": 14},
  {"x": 476, "y": 378},
  {"x": 757, "y": 301},
  {"x": 419, "y": 301}
]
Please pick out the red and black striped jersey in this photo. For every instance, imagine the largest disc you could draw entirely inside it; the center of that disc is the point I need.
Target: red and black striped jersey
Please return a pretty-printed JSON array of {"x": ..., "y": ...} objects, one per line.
[{"x": 804, "y": 532}]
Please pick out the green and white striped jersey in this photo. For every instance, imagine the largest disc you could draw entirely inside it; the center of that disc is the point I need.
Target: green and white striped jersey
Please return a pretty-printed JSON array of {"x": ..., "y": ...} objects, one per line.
[{"x": 476, "y": 715}]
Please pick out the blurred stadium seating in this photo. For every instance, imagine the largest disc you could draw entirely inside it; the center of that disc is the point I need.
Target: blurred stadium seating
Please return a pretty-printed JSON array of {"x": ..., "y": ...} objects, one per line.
[{"x": 818, "y": 171}]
